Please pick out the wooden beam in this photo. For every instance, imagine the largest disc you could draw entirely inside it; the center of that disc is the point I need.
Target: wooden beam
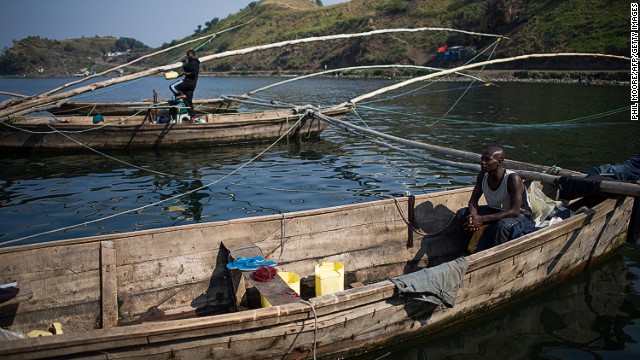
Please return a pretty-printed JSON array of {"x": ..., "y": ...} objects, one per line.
[{"x": 109, "y": 284}]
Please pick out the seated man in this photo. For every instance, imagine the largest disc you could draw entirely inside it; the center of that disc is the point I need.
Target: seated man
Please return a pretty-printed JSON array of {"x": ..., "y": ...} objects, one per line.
[{"x": 507, "y": 203}]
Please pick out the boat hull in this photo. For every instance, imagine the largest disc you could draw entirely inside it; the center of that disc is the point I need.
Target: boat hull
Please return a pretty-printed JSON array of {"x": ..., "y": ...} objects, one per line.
[
  {"x": 115, "y": 133},
  {"x": 202, "y": 107},
  {"x": 122, "y": 276}
]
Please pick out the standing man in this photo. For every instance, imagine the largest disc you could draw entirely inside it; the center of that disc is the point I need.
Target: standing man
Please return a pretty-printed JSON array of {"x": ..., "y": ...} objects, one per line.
[
  {"x": 507, "y": 207},
  {"x": 184, "y": 88}
]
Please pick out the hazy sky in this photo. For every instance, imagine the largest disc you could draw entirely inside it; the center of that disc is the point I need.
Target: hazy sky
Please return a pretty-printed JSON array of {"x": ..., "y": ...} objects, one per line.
[{"x": 151, "y": 21}]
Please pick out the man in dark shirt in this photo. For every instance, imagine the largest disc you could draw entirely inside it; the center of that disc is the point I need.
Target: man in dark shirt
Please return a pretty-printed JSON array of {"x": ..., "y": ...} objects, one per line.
[{"x": 184, "y": 88}]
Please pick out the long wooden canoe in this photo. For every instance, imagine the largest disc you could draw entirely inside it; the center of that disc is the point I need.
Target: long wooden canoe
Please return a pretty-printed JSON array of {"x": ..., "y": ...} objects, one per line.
[
  {"x": 202, "y": 106},
  {"x": 166, "y": 293},
  {"x": 138, "y": 132}
]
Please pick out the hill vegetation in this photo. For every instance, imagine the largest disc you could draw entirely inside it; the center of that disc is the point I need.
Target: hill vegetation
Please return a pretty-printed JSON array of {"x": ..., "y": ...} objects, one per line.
[
  {"x": 36, "y": 56},
  {"x": 533, "y": 26}
]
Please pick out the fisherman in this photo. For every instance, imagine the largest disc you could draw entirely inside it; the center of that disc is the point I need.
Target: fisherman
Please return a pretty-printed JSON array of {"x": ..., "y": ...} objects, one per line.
[
  {"x": 507, "y": 215},
  {"x": 184, "y": 88}
]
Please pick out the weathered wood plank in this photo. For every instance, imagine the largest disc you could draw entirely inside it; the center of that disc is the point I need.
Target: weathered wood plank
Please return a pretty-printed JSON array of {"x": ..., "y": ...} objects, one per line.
[
  {"x": 24, "y": 294},
  {"x": 108, "y": 275},
  {"x": 50, "y": 261}
]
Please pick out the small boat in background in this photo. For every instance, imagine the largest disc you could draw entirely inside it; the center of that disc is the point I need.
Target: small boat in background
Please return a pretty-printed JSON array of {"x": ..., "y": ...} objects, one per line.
[{"x": 68, "y": 133}]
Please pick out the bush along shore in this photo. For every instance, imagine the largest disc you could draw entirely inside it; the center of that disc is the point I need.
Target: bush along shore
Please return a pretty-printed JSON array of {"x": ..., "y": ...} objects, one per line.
[{"x": 581, "y": 77}]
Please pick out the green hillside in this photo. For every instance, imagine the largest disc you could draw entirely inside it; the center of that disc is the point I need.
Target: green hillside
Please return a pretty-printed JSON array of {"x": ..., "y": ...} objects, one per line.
[
  {"x": 35, "y": 56},
  {"x": 533, "y": 26}
]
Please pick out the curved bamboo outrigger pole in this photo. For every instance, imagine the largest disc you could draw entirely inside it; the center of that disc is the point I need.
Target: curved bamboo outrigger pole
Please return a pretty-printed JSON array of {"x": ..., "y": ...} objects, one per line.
[
  {"x": 13, "y": 94},
  {"x": 140, "y": 59},
  {"x": 6, "y": 113},
  {"x": 249, "y": 93},
  {"x": 474, "y": 65},
  {"x": 13, "y": 102},
  {"x": 26, "y": 98}
]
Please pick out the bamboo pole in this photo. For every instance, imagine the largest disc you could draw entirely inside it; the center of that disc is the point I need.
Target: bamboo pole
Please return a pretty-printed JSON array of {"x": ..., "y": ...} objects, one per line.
[
  {"x": 512, "y": 164},
  {"x": 43, "y": 107},
  {"x": 249, "y": 93},
  {"x": 612, "y": 187},
  {"x": 4, "y": 113},
  {"x": 140, "y": 59},
  {"x": 525, "y": 170},
  {"x": 475, "y": 65},
  {"x": 13, "y": 94},
  {"x": 11, "y": 101}
]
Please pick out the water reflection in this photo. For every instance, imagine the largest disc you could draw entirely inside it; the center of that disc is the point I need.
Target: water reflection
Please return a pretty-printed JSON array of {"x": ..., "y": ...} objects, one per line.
[
  {"x": 39, "y": 191},
  {"x": 584, "y": 318},
  {"x": 191, "y": 185}
]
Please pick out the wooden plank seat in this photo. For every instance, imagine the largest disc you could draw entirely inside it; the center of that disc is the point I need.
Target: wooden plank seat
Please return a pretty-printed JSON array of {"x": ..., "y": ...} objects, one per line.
[{"x": 276, "y": 290}]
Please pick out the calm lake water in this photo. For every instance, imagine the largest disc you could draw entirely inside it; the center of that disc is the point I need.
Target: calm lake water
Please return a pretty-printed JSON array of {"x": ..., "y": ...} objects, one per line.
[{"x": 594, "y": 316}]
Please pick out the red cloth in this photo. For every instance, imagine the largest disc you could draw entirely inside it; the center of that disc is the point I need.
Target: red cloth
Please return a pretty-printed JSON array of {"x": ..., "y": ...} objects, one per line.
[{"x": 264, "y": 273}]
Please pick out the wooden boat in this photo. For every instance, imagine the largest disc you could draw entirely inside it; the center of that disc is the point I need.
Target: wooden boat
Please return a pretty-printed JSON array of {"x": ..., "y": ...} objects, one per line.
[
  {"x": 202, "y": 106},
  {"x": 164, "y": 293},
  {"x": 139, "y": 132},
  {"x": 531, "y": 329}
]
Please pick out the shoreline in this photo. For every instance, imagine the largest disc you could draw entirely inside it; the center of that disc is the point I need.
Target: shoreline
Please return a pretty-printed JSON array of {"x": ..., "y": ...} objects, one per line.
[
  {"x": 578, "y": 77},
  {"x": 589, "y": 77}
]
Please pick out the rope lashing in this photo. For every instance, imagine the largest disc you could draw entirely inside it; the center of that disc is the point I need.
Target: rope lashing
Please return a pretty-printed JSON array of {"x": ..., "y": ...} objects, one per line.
[{"x": 553, "y": 170}]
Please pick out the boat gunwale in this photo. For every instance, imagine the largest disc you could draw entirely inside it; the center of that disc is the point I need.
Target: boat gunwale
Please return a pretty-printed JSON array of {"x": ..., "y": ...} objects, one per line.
[{"x": 260, "y": 218}]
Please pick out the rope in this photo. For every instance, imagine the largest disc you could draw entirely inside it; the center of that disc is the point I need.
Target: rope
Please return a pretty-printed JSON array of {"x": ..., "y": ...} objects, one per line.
[
  {"x": 351, "y": 69},
  {"x": 495, "y": 46},
  {"x": 176, "y": 176},
  {"x": 554, "y": 170},
  {"x": 103, "y": 154},
  {"x": 259, "y": 102},
  {"x": 407, "y": 221},
  {"x": 444, "y": 77},
  {"x": 491, "y": 125},
  {"x": 361, "y": 119},
  {"x": 426, "y": 92},
  {"x": 157, "y": 202},
  {"x": 54, "y": 129},
  {"x": 415, "y": 230},
  {"x": 315, "y": 325},
  {"x": 283, "y": 238}
]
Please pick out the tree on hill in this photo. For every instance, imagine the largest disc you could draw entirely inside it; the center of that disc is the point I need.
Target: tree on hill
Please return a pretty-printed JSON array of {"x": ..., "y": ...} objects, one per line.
[{"x": 123, "y": 44}]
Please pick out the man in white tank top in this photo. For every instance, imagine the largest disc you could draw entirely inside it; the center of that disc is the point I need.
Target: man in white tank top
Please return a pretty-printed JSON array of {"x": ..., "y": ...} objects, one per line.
[{"x": 507, "y": 208}]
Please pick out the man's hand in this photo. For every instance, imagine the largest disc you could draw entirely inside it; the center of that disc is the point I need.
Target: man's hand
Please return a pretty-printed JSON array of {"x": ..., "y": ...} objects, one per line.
[{"x": 474, "y": 222}]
